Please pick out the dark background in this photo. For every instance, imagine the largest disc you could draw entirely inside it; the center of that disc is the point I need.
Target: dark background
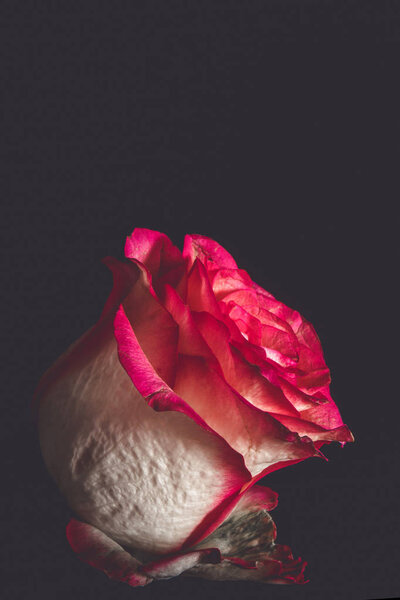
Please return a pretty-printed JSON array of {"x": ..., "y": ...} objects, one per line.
[{"x": 272, "y": 127}]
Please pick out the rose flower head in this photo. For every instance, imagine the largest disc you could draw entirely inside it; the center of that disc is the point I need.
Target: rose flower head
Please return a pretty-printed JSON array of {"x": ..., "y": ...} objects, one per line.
[{"x": 158, "y": 422}]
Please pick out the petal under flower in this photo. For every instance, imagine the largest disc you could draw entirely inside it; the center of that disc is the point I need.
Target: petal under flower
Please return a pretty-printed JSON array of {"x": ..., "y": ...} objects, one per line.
[
  {"x": 246, "y": 540},
  {"x": 98, "y": 550}
]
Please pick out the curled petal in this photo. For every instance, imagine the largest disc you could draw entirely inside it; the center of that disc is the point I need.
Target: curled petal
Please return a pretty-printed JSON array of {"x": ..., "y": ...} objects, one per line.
[
  {"x": 257, "y": 497},
  {"x": 200, "y": 296},
  {"x": 315, "y": 432},
  {"x": 154, "y": 328},
  {"x": 114, "y": 457},
  {"x": 279, "y": 345},
  {"x": 98, "y": 550},
  {"x": 226, "y": 281},
  {"x": 246, "y": 541},
  {"x": 210, "y": 253},
  {"x": 157, "y": 253},
  {"x": 260, "y": 439},
  {"x": 243, "y": 376}
]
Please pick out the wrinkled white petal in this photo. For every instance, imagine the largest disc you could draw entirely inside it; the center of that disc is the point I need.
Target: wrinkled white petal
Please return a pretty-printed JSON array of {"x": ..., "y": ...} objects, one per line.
[{"x": 146, "y": 479}]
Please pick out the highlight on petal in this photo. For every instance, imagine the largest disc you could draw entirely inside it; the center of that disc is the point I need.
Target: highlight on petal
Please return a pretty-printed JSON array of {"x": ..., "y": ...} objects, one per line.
[
  {"x": 200, "y": 296},
  {"x": 210, "y": 253}
]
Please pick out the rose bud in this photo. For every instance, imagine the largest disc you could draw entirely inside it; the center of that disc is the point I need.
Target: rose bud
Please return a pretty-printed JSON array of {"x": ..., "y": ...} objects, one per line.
[{"x": 158, "y": 422}]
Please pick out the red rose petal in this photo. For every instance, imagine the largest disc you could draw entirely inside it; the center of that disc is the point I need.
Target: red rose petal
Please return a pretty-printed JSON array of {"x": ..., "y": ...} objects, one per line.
[
  {"x": 253, "y": 433},
  {"x": 226, "y": 281},
  {"x": 155, "y": 251},
  {"x": 200, "y": 296},
  {"x": 244, "y": 377},
  {"x": 154, "y": 328},
  {"x": 257, "y": 497},
  {"x": 279, "y": 345},
  {"x": 210, "y": 253},
  {"x": 316, "y": 432},
  {"x": 100, "y": 551}
]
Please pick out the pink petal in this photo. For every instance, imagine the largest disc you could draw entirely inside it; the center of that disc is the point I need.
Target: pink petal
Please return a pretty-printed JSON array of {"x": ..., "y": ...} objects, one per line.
[
  {"x": 300, "y": 400},
  {"x": 210, "y": 253},
  {"x": 325, "y": 415},
  {"x": 244, "y": 377},
  {"x": 314, "y": 431},
  {"x": 157, "y": 253},
  {"x": 226, "y": 281},
  {"x": 259, "y": 298},
  {"x": 201, "y": 384},
  {"x": 152, "y": 248},
  {"x": 100, "y": 551},
  {"x": 251, "y": 432},
  {"x": 279, "y": 345},
  {"x": 200, "y": 296},
  {"x": 142, "y": 373},
  {"x": 154, "y": 328},
  {"x": 257, "y": 497}
]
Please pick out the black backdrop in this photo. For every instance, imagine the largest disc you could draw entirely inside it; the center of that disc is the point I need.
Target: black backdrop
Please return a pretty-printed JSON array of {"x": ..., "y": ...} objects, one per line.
[{"x": 272, "y": 127}]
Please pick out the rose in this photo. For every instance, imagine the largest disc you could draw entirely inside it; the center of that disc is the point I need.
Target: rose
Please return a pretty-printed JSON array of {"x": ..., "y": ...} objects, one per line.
[{"x": 158, "y": 422}]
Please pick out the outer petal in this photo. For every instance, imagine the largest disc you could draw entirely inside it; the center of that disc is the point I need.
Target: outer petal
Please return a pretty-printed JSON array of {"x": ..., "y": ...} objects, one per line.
[
  {"x": 257, "y": 497},
  {"x": 200, "y": 296},
  {"x": 325, "y": 415},
  {"x": 99, "y": 440},
  {"x": 260, "y": 438},
  {"x": 98, "y": 550},
  {"x": 246, "y": 541},
  {"x": 225, "y": 281},
  {"x": 146, "y": 479},
  {"x": 154, "y": 328},
  {"x": 156, "y": 251},
  {"x": 315, "y": 432},
  {"x": 210, "y": 253}
]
